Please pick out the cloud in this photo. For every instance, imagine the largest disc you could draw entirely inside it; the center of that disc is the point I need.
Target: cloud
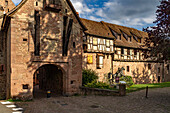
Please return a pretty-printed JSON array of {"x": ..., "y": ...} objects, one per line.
[
  {"x": 132, "y": 13},
  {"x": 81, "y": 7}
]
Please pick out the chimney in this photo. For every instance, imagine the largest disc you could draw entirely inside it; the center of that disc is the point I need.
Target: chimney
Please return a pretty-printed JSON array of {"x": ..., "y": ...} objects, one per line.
[{"x": 77, "y": 13}]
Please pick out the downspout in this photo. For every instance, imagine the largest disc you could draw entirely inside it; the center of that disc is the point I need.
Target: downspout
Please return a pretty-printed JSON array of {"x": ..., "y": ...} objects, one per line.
[{"x": 113, "y": 56}]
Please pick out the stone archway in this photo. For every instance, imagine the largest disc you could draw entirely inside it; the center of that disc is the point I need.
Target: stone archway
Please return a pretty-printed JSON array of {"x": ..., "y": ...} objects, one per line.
[{"x": 48, "y": 77}]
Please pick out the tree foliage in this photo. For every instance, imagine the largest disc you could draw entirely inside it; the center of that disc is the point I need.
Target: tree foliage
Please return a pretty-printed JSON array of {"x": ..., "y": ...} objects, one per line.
[
  {"x": 88, "y": 76},
  {"x": 159, "y": 35}
]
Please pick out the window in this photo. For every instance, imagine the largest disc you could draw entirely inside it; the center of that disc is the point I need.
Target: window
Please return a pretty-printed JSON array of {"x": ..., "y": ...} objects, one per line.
[
  {"x": 85, "y": 47},
  {"x": 149, "y": 66},
  {"x": 74, "y": 45},
  {"x": 107, "y": 43},
  {"x": 128, "y": 51},
  {"x": 167, "y": 67},
  {"x": 127, "y": 68},
  {"x": 25, "y": 86},
  {"x": 36, "y": 3},
  {"x": 139, "y": 40},
  {"x": 135, "y": 52},
  {"x": 130, "y": 39},
  {"x": 119, "y": 36},
  {"x": 107, "y": 56},
  {"x": 115, "y": 51},
  {"x": 90, "y": 59},
  {"x": 6, "y": 3},
  {"x": 95, "y": 41},
  {"x": 122, "y": 51},
  {"x": 99, "y": 61}
]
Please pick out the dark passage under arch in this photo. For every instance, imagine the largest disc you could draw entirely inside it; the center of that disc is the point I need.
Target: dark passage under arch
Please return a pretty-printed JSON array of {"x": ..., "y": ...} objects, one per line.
[{"x": 48, "y": 78}]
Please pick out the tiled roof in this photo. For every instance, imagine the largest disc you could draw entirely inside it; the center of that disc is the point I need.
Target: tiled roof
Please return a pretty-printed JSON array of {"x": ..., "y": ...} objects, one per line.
[
  {"x": 97, "y": 28},
  {"x": 104, "y": 28}
]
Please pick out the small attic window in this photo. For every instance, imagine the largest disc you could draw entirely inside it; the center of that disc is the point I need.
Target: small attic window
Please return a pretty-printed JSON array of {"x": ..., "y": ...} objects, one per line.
[
  {"x": 65, "y": 10},
  {"x": 108, "y": 34},
  {"x": 135, "y": 38},
  {"x": 36, "y": 3},
  {"x": 114, "y": 33},
  {"x": 129, "y": 38},
  {"x": 6, "y": 2},
  {"x": 119, "y": 37},
  {"x": 125, "y": 36},
  {"x": 139, "y": 40}
]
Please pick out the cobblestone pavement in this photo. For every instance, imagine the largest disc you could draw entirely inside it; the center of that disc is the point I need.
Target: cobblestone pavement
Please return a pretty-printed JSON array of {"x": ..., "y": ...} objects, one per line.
[
  {"x": 4, "y": 109},
  {"x": 158, "y": 102}
]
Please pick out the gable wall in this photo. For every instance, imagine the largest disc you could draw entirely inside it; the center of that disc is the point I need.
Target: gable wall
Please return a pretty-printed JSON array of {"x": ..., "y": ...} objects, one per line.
[{"x": 23, "y": 61}]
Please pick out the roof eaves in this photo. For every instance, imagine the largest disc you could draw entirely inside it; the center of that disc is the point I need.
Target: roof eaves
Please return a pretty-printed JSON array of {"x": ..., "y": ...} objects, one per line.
[
  {"x": 78, "y": 18},
  {"x": 15, "y": 9}
]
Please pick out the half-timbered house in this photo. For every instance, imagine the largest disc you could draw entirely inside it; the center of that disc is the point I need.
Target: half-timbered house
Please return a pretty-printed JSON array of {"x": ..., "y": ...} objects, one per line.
[{"x": 109, "y": 47}]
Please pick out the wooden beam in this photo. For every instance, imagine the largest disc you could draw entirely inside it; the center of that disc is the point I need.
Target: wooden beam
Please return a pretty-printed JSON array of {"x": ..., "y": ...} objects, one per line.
[
  {"x": 68, "y": 35},
  {"x": 65, "y": 18}
]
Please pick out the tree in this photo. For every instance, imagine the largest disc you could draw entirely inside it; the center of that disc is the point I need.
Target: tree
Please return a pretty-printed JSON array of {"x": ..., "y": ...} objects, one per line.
[{"x": 159, "y": 35}]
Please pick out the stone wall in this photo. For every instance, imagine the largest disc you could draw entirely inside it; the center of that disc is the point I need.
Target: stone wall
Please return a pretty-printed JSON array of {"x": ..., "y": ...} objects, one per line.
[
  {"x": 137, "y": 69},
  {"x": 21, "y": 57},
  {"x": 140, "y": 71},
  {"x": 107, "y": 66}
]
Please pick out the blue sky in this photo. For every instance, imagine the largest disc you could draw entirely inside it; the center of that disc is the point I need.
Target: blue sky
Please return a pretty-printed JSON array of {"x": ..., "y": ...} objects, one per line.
[{"x": 131, "y": 13}]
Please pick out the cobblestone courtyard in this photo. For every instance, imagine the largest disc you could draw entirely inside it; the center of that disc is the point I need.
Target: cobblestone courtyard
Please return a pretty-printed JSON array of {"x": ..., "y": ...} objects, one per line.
[{"x": 158, "y": 102}]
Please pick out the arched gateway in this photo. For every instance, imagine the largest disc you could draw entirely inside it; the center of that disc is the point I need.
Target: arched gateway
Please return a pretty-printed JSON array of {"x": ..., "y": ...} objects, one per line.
[{"x": 48, "y": 77}]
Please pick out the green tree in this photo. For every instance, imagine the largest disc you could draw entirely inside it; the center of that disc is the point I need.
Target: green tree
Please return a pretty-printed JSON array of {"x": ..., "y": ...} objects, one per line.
[{"x": 159, "y": 35}]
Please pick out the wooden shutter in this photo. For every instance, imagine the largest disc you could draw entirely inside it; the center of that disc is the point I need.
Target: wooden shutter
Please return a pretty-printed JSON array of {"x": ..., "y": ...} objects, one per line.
[{"x": 90, "y": 59}]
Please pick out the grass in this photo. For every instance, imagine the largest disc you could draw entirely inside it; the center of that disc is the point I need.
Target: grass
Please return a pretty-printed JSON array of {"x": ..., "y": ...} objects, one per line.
[
  {"x": 137, "y": 87},
  {"x": 14, "y": 100}
]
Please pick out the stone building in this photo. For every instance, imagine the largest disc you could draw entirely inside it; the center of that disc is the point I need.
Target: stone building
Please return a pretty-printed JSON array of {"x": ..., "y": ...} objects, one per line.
[
  {"x": 41, "y": 43},
  {"x": 44, "y": 43},
  {"x": 109, "y": 47}
]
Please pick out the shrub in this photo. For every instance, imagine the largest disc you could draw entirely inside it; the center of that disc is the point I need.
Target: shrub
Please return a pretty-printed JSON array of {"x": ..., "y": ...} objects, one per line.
[
  {"x": 128, "y": 80},
  {"x": 88, "y": 76},
  {"x": 101, "y": 85}
]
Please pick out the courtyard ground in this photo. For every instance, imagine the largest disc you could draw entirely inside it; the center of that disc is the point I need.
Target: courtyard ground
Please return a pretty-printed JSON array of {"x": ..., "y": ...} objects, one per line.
[{"x": 158, "y": 101}]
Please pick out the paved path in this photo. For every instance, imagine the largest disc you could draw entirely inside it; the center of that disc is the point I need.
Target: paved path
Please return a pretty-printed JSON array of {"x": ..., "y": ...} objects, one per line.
[
  {"x": 158, "y": 102},
  {"x": 9, "y": 107},
  {"x": 4, "y": 109}
]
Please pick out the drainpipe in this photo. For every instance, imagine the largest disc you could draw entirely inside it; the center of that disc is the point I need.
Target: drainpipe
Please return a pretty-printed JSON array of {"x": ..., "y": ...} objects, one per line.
[{"x": 113, "y": 56}]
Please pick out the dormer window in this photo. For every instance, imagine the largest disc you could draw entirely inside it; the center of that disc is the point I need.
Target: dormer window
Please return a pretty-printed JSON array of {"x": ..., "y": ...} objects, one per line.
[
  {"x": 125, "y": 35},
  {"x": 135, "y": 38},
  {"x": 6, "y": 2},
  {"x": 129, "y": 39},
  {"x": 139, "y": 40},
  {"x": 119, "y": 37},
  {"x": 122, "y": 51}
]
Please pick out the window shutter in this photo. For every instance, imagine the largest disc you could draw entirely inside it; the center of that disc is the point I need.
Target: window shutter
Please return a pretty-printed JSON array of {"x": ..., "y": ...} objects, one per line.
[{"x": 90, "y": 59}]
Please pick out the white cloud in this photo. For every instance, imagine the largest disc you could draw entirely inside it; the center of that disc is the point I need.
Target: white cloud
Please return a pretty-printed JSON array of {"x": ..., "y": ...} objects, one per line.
[
  {"x": 81, "y": 7},
  {"x": 132, "y": 13}
]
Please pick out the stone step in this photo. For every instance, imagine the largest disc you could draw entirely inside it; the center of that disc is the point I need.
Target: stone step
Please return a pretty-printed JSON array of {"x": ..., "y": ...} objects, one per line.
[{"x": 10, "y": 106}]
